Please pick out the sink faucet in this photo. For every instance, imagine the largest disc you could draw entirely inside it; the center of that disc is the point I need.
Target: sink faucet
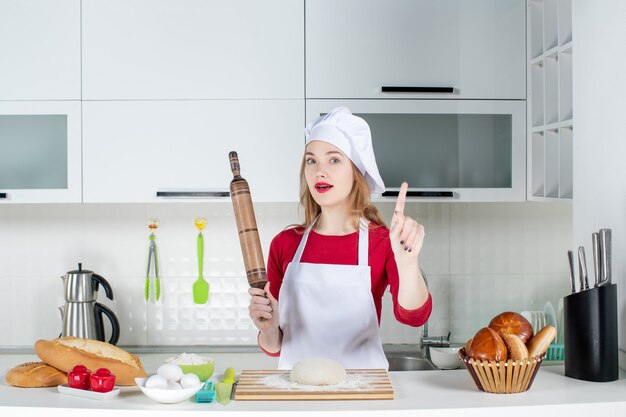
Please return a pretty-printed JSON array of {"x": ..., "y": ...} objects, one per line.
[{"x": 432, "y": 341}]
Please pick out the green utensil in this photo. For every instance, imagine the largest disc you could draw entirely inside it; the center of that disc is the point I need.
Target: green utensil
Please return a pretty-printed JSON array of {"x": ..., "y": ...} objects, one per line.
[
  {"x": 200, "y": 286},
  {"x": 224, "y": 389},
  {"x": 153, "y": 259}
]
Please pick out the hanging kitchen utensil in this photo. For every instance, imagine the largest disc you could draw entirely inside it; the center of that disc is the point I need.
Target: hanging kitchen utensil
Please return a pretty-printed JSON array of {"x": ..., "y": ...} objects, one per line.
[
  {"x": 153, "y": 259},
  {"x": 246, "y": 225},
  {"x": 200, "y": 286},
  {"x": 582, "y": 269},
  {"x": 572, "y": 274},
  {"x": 606, "y": 255}
]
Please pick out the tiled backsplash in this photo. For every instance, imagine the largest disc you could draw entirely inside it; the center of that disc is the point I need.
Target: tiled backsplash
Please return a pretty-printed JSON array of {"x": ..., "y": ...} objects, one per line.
[{"x": 479, "y": 259}]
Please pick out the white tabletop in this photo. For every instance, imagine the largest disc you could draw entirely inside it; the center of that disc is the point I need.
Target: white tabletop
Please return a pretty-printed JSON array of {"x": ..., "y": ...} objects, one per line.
[{"x": 432, "y": 393}]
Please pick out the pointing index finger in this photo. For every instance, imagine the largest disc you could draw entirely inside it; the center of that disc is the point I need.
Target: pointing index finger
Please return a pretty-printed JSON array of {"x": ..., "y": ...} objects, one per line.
[{"x": 401, "y": 198}]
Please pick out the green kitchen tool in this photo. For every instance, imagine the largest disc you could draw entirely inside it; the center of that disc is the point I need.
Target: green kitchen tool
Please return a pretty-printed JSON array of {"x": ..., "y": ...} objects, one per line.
[
  {"x": 153, "y": 224},
  {"x": 224, "y": 389},
  {"x": 200, "y": 286}
]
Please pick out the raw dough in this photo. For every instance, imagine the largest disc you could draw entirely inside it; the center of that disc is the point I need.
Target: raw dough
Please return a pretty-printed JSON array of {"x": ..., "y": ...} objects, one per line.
[{"x": 318, "y": 371}]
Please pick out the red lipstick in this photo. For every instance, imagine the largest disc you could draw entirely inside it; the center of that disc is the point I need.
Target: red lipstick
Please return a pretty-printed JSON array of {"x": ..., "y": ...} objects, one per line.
[{"x": 322, "y": 187}]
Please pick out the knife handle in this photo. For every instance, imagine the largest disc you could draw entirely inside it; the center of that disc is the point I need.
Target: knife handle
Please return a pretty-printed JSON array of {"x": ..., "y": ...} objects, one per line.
[
  {"x": 582, "y": 269},
  {"x": 605, "y": 249},
  {"x": 597, "y": 258}
]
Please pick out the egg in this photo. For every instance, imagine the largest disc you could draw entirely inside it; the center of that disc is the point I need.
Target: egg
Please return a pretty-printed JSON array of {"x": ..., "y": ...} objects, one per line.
[
  {"x": 170, "y": 372},
  {"x": 156, "y": 381},
  {"x": 189, "y": 380},
  {"x": 173, "y": 385}
]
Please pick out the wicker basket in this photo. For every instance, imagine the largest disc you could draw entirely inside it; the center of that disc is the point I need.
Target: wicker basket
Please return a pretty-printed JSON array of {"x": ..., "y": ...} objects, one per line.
[{"x": 503, "y": 377}]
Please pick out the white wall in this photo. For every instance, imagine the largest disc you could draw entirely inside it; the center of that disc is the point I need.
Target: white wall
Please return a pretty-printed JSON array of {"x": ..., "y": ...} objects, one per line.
[
  {"x": 480, "y": 259},
  {"x": 599, "y": 139}
]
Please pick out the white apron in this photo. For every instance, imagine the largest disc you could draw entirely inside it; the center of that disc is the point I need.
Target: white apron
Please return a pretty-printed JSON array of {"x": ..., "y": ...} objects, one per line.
[{"x": 328, "y": 311}]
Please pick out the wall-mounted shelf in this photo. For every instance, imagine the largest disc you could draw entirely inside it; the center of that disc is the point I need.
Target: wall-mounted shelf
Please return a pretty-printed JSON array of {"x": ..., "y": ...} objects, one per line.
[{"x": 551, "y": 118}]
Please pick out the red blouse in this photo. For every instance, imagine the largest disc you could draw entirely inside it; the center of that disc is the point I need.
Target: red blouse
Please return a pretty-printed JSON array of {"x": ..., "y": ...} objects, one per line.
[{"x": 344, "y": 250}]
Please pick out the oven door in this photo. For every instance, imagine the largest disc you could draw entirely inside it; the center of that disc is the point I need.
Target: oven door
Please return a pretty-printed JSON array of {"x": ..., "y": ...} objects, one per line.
[{"x": 447, "y": 150}]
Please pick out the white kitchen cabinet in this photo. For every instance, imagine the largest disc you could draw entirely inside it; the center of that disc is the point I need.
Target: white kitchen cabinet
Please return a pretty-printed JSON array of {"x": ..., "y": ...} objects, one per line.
[
  {"x": 193, "y": 49},
  {"x": 447, "y": 150},
  {"x": 550, "y": 106},
  {"x": 39, "y": 49},
  {"x": 40, "y": 145},
  {"x": 134, "y": 149},
  {"x": 354, "y": 48}
]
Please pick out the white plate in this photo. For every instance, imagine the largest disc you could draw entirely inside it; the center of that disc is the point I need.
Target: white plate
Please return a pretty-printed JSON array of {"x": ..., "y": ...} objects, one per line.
[
  {"x": 64, "y": 389},
  {"x": 559, "y": 318},
  {"x": 550, "y": 314}
]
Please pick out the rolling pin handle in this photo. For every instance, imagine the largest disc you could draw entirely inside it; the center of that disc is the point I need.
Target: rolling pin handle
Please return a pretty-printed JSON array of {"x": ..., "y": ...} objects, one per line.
[{"x": 234, "y": 163}]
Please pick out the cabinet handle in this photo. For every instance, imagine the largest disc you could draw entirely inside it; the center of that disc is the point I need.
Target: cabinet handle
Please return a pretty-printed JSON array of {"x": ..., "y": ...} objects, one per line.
[
  {"x": 4, "y": 195},
  {"x": 399, "y": 89},
  {"x": 443, "y": 194},
  {"x": 192, "y": 194}
]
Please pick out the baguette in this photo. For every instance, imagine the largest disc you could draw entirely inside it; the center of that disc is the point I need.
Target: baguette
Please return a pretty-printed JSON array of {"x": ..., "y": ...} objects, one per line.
[
  {"x": 66, "y": 352},
  {"x": 35, "y": 375}
]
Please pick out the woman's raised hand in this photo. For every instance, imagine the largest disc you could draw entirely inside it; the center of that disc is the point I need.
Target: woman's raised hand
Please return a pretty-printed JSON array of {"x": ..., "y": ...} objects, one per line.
[
  {"x": 406, "y": 235},
  {"x": 263, "y": 311}
]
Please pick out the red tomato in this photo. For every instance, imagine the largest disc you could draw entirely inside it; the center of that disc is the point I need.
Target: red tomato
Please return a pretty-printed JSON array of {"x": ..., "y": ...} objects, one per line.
[
  {"x": 102, "y": 380},
  {"x": 78, "y": 377}
]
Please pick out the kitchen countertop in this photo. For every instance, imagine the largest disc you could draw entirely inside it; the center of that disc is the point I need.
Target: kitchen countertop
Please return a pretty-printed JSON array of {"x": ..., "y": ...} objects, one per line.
[{"x": 420, "y": 393}]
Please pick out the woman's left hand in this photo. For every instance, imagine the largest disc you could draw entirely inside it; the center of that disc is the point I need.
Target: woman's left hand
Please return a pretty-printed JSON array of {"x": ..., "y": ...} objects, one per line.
[{"x": 406, "y": 235}]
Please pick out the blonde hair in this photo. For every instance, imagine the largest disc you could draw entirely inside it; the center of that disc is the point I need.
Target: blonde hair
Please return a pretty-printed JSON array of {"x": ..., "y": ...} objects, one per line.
[{"x": 360, "y": 203}]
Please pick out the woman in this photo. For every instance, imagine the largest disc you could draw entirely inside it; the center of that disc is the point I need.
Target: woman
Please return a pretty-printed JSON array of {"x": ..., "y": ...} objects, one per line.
[{"x": 327, "y": 277}]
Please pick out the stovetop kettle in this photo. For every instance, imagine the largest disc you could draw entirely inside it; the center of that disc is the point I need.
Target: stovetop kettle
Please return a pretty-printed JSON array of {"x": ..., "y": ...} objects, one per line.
[{"x": 82, "y": 315}]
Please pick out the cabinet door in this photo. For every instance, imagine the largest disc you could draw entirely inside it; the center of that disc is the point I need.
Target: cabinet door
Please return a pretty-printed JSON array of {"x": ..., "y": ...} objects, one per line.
[
  {"x": 447, "y": 150},
  {"x": 134, "y": 149},
  {"x": 39, "y": 49},
  {"x": 355, "y": 47},
  {"x": 193, "y": 49},
  {"x": 40, "y": 152}
]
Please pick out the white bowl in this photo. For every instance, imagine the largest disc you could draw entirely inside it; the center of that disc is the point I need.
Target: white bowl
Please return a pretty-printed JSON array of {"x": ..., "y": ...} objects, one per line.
[
  {"x": 167, "y": 396},
  {"x": 445, "y": 357}
]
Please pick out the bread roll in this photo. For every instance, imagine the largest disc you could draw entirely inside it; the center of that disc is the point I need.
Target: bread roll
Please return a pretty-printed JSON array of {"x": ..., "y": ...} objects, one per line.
[
  {"x": 66, "y": 352},
  {"x": 517, "y": 349},
  {"x": 35, "y": 375},
  {"x": 539, "y": 344},
  {"x": 487, "y": 345},
  {"x": 512, "y": 323},
  {"x": 467, "y": 346}
]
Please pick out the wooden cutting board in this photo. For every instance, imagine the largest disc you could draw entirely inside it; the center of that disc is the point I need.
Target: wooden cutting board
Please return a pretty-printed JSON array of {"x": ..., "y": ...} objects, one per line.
[{"x": 362, "y": 384}]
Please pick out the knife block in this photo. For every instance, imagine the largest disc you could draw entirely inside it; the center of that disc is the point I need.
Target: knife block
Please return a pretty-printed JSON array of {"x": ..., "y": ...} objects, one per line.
[{"x": 591, "y": 347}]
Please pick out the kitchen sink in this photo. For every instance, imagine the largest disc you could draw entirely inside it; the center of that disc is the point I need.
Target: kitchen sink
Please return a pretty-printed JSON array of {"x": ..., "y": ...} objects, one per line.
[{"x": 409, "y": 363}]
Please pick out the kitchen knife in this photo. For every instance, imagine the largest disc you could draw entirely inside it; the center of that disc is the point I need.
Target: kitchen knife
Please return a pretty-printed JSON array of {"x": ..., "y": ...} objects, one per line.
[
  {"x": 572, "y": 274},
  {"x": 605, "y": 250},
  {"x": 582, "y": 269},
  {"x": 597, "y": 258}
]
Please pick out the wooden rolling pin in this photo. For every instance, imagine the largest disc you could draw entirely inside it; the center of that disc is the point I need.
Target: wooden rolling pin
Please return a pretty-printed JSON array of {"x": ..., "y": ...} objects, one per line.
[{"x": 246, "y": 224}]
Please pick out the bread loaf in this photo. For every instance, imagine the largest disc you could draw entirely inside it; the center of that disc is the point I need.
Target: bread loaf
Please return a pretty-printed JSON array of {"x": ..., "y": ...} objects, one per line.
[
  {"x": 35, "y": 375},
  {"x": 517, "y": 349},
  {"x": 512, "y": 323},
  {"x": 487, "y": 345},
  {"x": 66, "y": 352},
  {"x": 540, "y": 342}
]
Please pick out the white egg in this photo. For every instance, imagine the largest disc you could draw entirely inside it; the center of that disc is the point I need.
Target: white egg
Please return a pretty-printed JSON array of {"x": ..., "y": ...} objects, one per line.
[
  {"x": 189, "y": 380},
  {"x": 173, "y": 385},
  {"x": 156, "y": 381},
  {"x": 170, "y": 372}
]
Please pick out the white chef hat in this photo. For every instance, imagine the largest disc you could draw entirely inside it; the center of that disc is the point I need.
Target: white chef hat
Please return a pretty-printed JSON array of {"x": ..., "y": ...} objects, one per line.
[{"x": 352, "y": 135}]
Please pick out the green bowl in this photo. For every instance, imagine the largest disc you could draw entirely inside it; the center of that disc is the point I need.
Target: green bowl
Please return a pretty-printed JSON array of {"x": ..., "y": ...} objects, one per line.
[{"x": 203, "y": 371}]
